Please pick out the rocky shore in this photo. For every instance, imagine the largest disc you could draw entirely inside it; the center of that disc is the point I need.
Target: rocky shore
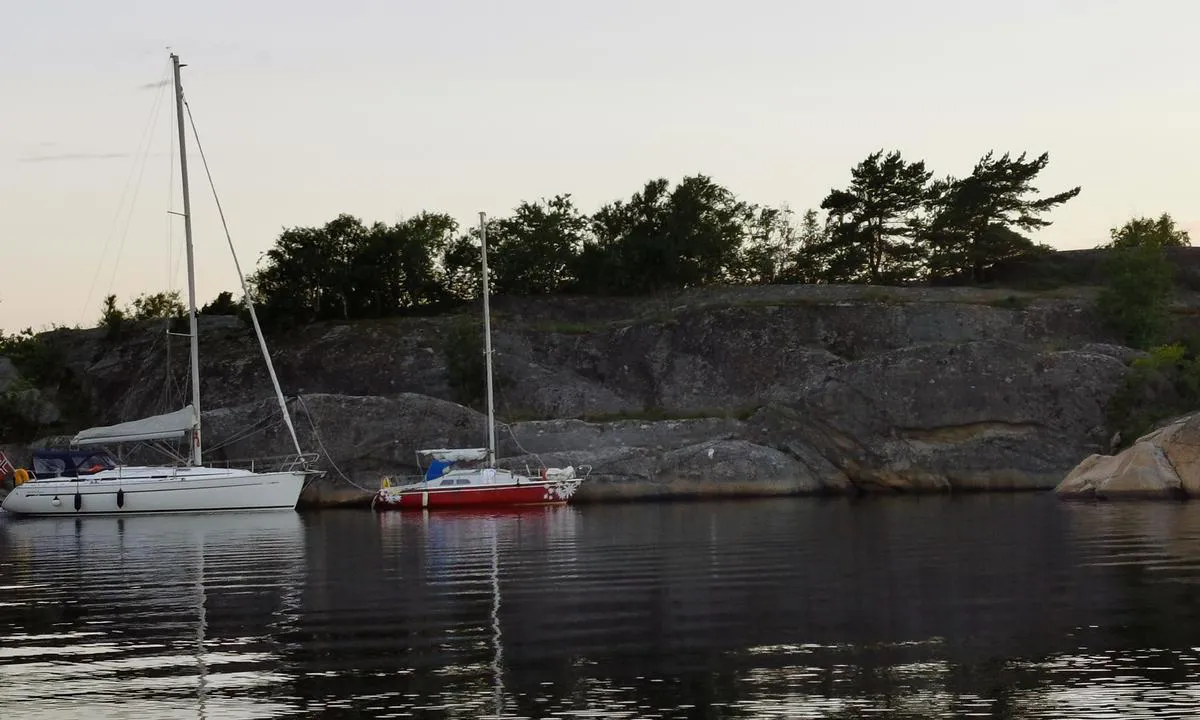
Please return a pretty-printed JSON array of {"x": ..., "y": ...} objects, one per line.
[{"x": 740, "y": 391}]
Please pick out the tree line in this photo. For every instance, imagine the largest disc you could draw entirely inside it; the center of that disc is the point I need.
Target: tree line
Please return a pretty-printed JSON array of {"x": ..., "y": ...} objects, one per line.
[{"x": 892, "y": 223}]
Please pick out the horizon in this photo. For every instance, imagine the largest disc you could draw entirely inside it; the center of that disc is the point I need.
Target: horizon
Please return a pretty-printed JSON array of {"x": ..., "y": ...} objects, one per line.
[{"x": 381, "y": 112}]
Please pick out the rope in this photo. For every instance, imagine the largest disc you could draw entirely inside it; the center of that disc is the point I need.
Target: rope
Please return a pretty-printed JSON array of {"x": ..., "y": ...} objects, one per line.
[
  {"x": 262, "y": 344},
  {"x": 142, "y": 155},
  {"x": 261, "y": 426},
  {"x": 521, "y": 447},
  {"x": 508, "y": 428},
  {"x": 317, "y": 436}
]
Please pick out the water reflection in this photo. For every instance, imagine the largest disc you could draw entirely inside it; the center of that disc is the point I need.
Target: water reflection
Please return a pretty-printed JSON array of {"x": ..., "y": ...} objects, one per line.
[
  {"x": 111, "y": 617},
  {"x": 1002, "y": 607}
]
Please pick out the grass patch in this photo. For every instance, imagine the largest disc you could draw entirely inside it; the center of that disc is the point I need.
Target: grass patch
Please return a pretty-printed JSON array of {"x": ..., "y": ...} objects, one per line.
[
  {"x": 568, "y": 328},
  {"x": 1011, "y": 302}
]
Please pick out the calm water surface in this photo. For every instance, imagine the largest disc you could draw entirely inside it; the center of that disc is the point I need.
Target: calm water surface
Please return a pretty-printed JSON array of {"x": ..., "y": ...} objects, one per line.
[{"x": 994, "y": 607}]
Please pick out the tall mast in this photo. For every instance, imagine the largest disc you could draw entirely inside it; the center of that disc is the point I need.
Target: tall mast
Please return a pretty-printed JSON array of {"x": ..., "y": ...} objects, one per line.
[
  {"x": 487, "y": 343},
  {"x": 191, "y": 267}
]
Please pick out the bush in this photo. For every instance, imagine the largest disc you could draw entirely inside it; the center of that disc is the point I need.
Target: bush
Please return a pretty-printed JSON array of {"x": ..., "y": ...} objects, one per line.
[
  {"x": 466, "y": 371},
  {"x": 1135, "y": 300},
  {"x": 40, "y": 364},
  {"x": 1163, "y": 385}
]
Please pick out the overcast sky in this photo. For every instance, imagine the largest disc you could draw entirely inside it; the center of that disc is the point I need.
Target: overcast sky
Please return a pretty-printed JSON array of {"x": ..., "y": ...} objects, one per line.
[{"x": 382, "y": 109}]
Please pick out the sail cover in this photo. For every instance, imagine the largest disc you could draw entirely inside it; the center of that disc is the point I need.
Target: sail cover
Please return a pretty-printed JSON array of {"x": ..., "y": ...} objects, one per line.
[
  {"x": 157, "y": 427},
  {"x": 456, "y": 454}
]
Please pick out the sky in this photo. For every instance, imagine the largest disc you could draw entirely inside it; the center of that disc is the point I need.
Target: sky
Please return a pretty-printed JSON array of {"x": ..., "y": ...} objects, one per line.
[{"x": 383, "y": 109}]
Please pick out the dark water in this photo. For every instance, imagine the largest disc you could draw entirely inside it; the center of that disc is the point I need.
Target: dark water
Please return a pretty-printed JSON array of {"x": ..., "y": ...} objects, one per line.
[{"x": 1001, "y": 607}]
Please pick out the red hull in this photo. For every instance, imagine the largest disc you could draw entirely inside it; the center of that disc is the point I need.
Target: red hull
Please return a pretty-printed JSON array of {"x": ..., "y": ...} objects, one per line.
[{"x": 418, "y": 499}]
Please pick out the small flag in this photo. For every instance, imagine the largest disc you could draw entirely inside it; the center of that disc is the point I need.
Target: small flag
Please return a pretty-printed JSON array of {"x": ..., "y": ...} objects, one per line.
[{"x": 6, "y": 465}]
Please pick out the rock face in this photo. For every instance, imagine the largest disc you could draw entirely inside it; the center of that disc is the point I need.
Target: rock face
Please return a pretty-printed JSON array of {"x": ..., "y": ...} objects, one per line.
[
  {"x": 737, "y": 391},
  {"x": 27, "y": 403},
  {"x": 1164, "y": 463}
]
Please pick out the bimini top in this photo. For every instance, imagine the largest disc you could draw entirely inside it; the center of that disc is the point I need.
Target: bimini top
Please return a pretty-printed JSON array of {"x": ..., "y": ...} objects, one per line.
[
  {"x": 456, "y": 454},
  {"x": 70, "y": 463},
  {"x": 157, "y": 427}
]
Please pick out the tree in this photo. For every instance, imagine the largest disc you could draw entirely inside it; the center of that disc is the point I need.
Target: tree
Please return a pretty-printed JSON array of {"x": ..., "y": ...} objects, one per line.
[
  {"x": 462, "y": 267},
  {"x": 770, "y": 248},
  {"x": 307, "y": 273},
  {"x": 155, "y": 306},
  {"x": 394, "y": 268},
  {"x": 688, "y": 236},
  {"x": 973, "y": 221},
  {"x": 810, "y": 258},
  {"x": 872, "y": 222},
  {"x": 533, "y": 251},
  {"x": 222, "y": 304},
  {"x": 1147, "y": 232},
  {"x": 111, "y": 316},
  {"x": 348, "y": 270},
  {"x": 1135, "y": 299}
]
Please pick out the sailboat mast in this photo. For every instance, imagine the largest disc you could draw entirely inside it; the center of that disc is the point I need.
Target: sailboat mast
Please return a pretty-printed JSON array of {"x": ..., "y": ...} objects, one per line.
[
  {"x": 487, "y": 343},
  {"x": 191, "y": 267}
]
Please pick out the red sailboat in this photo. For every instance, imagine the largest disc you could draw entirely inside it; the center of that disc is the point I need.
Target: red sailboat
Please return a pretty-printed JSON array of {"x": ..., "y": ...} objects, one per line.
[{"x": 480, "y": 483}]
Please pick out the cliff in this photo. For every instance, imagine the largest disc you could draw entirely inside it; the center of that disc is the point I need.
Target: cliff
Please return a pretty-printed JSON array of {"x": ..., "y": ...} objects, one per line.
[{"x": 778, "y": 389}]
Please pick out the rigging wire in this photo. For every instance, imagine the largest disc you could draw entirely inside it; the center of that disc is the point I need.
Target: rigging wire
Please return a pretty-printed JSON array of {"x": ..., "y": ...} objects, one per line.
[
  {"x": 287, "y": 418},
  {"x": 317, "y": 436},
  {"x": 146, "y": 132},
  {"x": 129, "y": 217},
  {"x": 167, "y": 377}
]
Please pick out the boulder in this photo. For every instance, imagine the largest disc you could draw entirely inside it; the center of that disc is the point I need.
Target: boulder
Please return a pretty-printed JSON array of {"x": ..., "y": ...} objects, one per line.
[
  {"x": 1142, "y": 471},
  {"x": 1164, "y": 463}
]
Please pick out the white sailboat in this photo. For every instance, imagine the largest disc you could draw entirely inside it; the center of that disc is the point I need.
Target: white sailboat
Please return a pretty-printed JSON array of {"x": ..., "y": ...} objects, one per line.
[
  {"x": 91, "y": 482},
  {"x": 446, "y": 486}
]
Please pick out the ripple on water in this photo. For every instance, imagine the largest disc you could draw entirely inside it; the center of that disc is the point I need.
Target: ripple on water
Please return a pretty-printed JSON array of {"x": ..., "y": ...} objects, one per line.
[{"x": 1002, "y": 607}]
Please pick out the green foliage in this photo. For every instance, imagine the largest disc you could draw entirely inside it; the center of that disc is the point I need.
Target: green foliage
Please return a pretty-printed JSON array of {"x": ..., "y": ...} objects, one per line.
[
  {"x": 1146, "y": 232},
  {"x": 41, "y": 364},
  {"x": 808, "y": 264},
  {"x": 157, "y": 306},
  {"x": 873, "y": 222},
  {"x": 533, "y": 251},
  {"x": 1134, "y": 302},
  {"x": 771, "y": 242},
  {"x": 880, "y": 229},
  {"x": 346, "y": 270},
  {"x": 687, "y": 236},
  {"x": 223, "y": 304},
  {"x": 112, "y": 318},
  {"x": 466, "y": 369},
  {"x": 147, "y": 306},
  {"x": 1163, "y": 385},
  {"x": 1136, "y": 297},
  {"x": 1011, "y": 302},
  {"x": 971, "y": 220}
]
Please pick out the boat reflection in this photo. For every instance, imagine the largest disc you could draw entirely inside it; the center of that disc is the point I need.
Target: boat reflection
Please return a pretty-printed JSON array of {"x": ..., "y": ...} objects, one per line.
[
  {"x": 139, "y": 616},
  {"x": 462, "y": 553}
]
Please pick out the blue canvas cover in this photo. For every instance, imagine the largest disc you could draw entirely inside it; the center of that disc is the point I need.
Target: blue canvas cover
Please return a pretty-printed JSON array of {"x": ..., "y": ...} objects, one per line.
[
  {"x": 70, "y": 463},
  {"x": 437, "y": 468}
]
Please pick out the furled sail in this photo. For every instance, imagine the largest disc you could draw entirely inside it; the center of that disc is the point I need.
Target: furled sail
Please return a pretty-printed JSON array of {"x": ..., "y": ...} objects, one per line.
[{"x": 157, "y": 427}]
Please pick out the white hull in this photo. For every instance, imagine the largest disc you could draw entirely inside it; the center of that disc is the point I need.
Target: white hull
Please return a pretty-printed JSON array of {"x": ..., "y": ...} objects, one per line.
[{"x": 135, "y": 490}]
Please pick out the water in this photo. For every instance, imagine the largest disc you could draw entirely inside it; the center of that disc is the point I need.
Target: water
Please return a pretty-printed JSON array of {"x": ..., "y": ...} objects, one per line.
[{"x": 987, "y": 606}]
